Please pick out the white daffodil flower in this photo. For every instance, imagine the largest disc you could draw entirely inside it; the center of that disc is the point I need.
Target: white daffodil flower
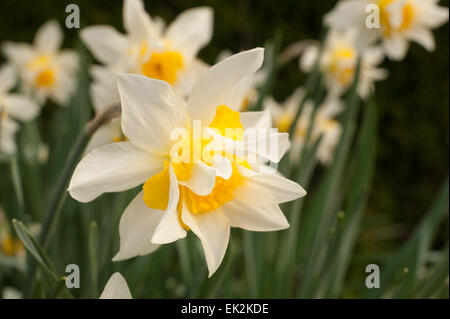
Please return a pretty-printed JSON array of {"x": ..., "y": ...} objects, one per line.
[
  {"x": 395, "y": 22},
  {"x": 45, "y": 70},
  {"x": 338, "y": 63},
  {"x": 204, "y": 195},
  {"x": 324, "y": 123},
  {"x": 116, "y": 288},
  {"x": 12, "y": 106},
  {"x": 148, "y": 48},
  {"x": 283, "y": 115}
]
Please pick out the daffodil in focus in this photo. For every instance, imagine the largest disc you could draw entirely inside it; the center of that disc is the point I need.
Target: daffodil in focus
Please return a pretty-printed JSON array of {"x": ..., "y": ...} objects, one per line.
[
  {"x": 12, "y": 107},
  {"x": 46, "y": 70},
  {"x": 202, "y": 192},
  {"x": 325, "y": 124},
  {"x": 394, "y": 22},
  {"x": 338, "y": 61},
  {"x": 247, "y": 90},
  {"x": 116, "y": 288}
]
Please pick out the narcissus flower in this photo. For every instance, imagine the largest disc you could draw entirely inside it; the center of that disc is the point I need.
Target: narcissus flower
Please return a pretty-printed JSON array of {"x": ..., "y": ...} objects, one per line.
[
  {"x": 116, "y": 288},
  {"x": 208, "y": 194},
  {"x": 400, "y": 21},
  {"x": 10, "y": 246},
  {"x": 45, "y": 70},
  {"x": 12, "y": 106},
  {"x": 283, "y": 115},
  {"x": 148, "y": 48},
  {"x": 338, "y": 63},
  {"x": 325, "y": 124}
]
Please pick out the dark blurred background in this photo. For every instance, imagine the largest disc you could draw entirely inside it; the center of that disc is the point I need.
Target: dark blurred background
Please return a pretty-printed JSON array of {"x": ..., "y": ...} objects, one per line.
[{"x": 413, "y": 103}]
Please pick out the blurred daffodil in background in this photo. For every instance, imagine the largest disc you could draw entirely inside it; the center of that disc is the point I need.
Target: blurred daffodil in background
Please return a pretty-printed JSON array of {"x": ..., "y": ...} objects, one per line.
[
  {"x": 400, "y": 21},
  {"x": 45, "y": 70},
  {"x": 148, "y": 48}
]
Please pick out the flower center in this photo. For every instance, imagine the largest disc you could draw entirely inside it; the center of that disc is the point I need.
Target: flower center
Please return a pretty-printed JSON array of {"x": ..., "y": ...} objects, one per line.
[
  {"x": 284, "y": 123},
  {"x": 385, "y": 17},
  {"x": 45, "y": 78},
  {"x": 156, "y": 188},
  {"x": 45, "y": 73},
  {"x": 342, "y": 64},
  {"x": 11, "y": 246},
  {"x": 163, "y": 66}
]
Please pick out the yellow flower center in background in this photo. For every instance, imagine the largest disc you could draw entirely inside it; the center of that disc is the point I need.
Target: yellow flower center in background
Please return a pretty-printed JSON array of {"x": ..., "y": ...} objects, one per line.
[
  {"x": 11, "y": 246},
  {"x": 284, "y": 123},
  {"x": 342, "y": 64},
  {"x": 407, "y": 17},
  {"x": 163, "y": 66},
  {"x": 45, "y": 73},
  {"x": 45, "y": 78},
  {"x": 328, "y": 125},
  {"x": 156, "y": 188}
]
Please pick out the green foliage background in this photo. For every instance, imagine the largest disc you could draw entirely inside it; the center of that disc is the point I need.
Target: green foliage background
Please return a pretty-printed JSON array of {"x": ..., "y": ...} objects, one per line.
[{"x": 412, "y": 104}]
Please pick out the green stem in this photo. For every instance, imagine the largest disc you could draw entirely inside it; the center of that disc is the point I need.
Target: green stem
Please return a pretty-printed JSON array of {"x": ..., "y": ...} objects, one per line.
[{"x": 60, "y": 195}]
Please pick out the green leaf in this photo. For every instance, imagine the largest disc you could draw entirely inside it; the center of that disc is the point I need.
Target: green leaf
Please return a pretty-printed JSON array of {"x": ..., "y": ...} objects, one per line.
[
  {"x": 34, "y": 248},
  {"x": 430, "y": 286},
  {"x": 93, "y": 257},
  {"x": 350, "y": 218},
  {"x": 412, "y": 254},
  {"x": 313, "y": 243}
]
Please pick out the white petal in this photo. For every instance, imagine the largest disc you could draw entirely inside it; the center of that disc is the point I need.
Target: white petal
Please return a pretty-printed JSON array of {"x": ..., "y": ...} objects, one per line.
[
  {"x": 223, "y": 167},
  {"x": 106, "y": 134},
  {"x": 169, "y": 228},
  {"x": 261, "y": 119},
  {"x": 106, "y": 44},
  {"x": 49, "y": 37},
  {"x": 69, "y": 60},
  {"x": 112, "y": 168},
  {"x": 282, "y": 189},
  {"x": 186, "y": 79},
  {"x": 136, "y": 21},
  {"x": 212, "y": 89},
  {"x": 309, "y": 58},
  {"x": 8, "y": 129},
  {"x": 433, "y": 16},
  {"x": 347, "y": 13},
  {"x": 137, "y": 226},
  {"x": 255, "y": 218},
  {"x": 150, "y": 112},
  {"x": 237, "y": 95},
  {"x": 191, "y": 30},
  {"x": 424, "y": 37},
  {"x": 20, "y": 107},
  {"x": 396, "y": 47},
  {"x": 214, "y": 232},
  {"x": 257, "y": 142},
  {"x": 18, "y": 53},
  {"x": 116, "y": 288},
  {"x": 103, "y": 89},
  {"x": 8, "y": 78},
  {"x": 202, "y": 179}
]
